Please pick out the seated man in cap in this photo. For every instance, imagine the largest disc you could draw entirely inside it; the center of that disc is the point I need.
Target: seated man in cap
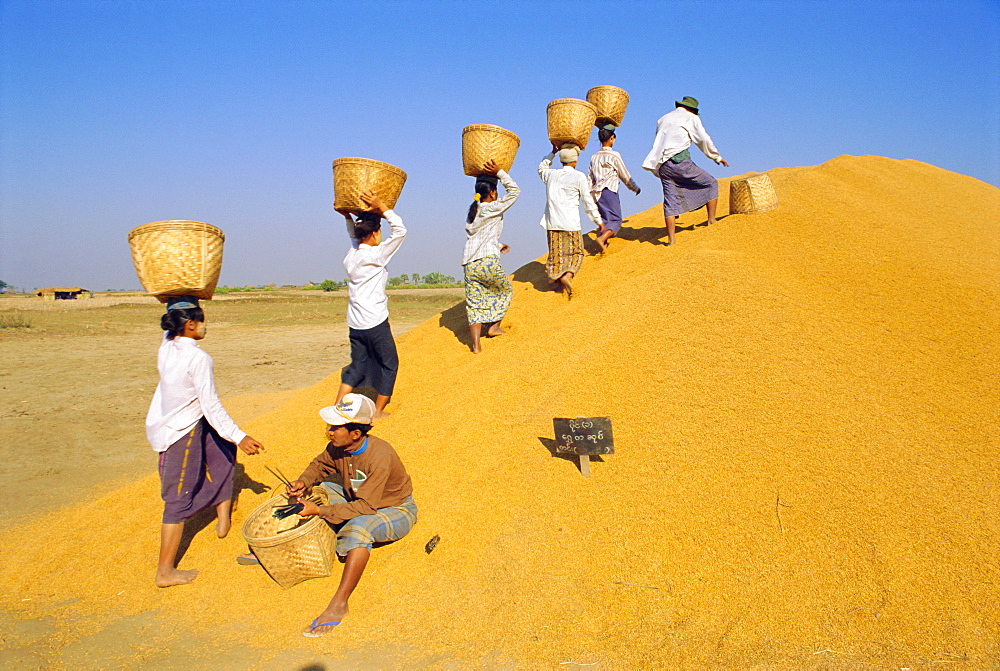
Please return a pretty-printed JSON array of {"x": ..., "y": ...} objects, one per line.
[
  {"x": 564, "y": 190},
  {"x": 686, "y": 187},
  {"x": 373, "y": 505}
]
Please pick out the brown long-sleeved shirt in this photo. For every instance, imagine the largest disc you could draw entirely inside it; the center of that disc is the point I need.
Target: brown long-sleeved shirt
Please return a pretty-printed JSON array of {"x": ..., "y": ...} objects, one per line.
[{"x": 387, "y": 484}]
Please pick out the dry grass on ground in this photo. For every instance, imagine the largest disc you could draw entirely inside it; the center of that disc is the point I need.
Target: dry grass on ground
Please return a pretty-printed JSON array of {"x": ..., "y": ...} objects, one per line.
[
  {"x": 805, "y": 414},
  {"x": 75, "y": 386}
]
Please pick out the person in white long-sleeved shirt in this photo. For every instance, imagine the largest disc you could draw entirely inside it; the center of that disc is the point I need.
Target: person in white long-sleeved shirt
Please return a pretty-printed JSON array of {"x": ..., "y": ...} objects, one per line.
[
  {"x": 565, "y": 189},
  {"x": 686, "y": 187},
  {"x": 488, "y": 290},
  {"x": 607, "y": 171},
  {"x": 192, "y": 432},
  {"x": 373, "y": 350}
]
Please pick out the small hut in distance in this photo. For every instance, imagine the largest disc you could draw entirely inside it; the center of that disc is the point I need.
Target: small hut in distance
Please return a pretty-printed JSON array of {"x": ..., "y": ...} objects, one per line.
[{"x": 64, "y": 293}]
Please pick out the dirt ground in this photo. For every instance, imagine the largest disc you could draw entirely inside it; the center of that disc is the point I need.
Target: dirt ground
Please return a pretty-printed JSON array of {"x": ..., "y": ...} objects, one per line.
[
  {"x": 805, "y": 476},
  {"x": 75, "y": 387}
]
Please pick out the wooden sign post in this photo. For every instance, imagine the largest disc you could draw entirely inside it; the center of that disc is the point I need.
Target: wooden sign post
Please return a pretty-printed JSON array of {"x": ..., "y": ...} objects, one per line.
[{"x": 584, "y": 436}]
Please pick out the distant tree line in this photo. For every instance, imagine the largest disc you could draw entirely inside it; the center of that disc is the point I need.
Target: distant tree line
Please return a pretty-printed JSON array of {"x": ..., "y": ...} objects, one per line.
[{"x": 413, "y": 279}]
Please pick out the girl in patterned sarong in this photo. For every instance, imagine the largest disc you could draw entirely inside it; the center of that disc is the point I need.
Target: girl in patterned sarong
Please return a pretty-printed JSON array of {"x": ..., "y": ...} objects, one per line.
[
  {"x": 194, "y": 435},
  {"x": 487, "y": 288}
]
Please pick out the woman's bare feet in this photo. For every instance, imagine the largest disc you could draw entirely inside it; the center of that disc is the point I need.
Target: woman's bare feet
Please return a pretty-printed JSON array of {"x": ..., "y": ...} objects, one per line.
[
  {"x": 495, "y": 330},
  {"x": 224, "y": 518},
  {"x": 175, "y": 577},
  {"x": 327, "y": 620},
  {"x": 222, "y": 526},
  {"x": 567, "y": 283}
]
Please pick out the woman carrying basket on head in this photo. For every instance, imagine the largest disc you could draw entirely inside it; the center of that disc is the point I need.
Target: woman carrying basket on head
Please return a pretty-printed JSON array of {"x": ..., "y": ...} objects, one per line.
[
  {"x": 487, "y": 288},
  {"x": 194, "y": 435}
]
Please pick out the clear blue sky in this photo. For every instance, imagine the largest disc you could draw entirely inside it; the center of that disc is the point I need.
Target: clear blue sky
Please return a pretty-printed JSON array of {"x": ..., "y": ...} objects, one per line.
[{"x": 115, "y": 114}]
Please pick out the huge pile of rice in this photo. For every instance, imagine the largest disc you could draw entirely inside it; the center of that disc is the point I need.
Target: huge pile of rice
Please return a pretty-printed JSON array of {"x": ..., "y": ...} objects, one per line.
[{"x": 806, "y": 419}]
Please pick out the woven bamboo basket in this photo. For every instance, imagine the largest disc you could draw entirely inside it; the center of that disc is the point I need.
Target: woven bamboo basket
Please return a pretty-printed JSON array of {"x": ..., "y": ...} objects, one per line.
[
  {"x": 570, "y": 121},
  {"x": 611, "y": 103},
  {"x": 295, "y": 548},
  {"x": 752, "y": 194},
  {"x": 177, "y": 258},
  {"x": 482, "y": 142},
  {"x": 352, "y": 176}
]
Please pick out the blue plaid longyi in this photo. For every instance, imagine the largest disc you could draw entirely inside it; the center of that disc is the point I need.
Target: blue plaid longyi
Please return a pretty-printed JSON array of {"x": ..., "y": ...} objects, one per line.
[{"x": 387, "y": 524}]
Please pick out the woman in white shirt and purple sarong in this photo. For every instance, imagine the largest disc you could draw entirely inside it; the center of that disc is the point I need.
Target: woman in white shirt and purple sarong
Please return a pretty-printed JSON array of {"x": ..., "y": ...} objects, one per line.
[
  {"x": 194, "y": 435},
  {"x": 686, "y": 187},
  {"x": 607, "y": 171},
  {"x": 487, "y": 288}
]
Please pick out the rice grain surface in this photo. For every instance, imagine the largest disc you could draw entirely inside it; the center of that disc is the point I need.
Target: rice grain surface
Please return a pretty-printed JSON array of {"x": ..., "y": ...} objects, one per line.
[{"x": 805, "y": 411}]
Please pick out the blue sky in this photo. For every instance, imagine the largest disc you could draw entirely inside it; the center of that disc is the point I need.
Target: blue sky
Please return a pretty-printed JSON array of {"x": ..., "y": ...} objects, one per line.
[{"x": 114, "y": 114}]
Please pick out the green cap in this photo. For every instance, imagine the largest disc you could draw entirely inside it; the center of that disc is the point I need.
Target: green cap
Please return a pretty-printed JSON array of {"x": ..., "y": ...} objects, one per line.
[{"x": 689, "y": 102}]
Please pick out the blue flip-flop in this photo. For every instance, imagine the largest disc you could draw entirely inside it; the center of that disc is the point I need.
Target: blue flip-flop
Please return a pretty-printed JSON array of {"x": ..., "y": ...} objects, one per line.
[{"x": 313, "y": 627}]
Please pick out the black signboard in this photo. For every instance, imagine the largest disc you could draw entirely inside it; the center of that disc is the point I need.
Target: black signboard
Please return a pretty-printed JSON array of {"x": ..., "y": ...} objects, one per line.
[{"x": 584, "y": 435}]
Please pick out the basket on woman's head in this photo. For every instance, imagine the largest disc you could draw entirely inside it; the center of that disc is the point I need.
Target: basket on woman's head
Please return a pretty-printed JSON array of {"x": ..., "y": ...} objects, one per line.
[
  {"x": 354, "y": 176},
  {"x": 482, "y": 143},
  {"x": 177, "y": 258},
  {"x": 611, "y": 103},
  {"x": 570, "y": 121}
]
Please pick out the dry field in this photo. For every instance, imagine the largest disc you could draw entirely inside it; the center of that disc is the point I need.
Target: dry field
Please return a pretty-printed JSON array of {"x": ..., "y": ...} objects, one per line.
[
  {"x": 805, "y": 411},
  {"x": 76, "y": 384}
]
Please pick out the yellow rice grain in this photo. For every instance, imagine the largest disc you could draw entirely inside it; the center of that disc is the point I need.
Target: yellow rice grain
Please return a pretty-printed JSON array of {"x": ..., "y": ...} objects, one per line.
[{"x": 805, "y": 413}]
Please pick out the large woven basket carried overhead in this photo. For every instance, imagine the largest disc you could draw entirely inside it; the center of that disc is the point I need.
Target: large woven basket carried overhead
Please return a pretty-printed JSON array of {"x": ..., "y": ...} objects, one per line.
[
  {"x": 295, "y": 548},
  {"x": 611, "y": 103},
  {"x": 177, "y": 258},
  {"x": 749, "y": 195},
  {"x": 570, "y": 121},
  {"x": 482, "y": 142},
  {"x": 352, "y": 176}
]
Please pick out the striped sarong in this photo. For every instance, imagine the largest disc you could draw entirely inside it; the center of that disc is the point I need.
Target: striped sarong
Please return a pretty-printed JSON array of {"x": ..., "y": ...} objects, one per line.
[
  {"x": 565, "y": 253},
  {"x": 387, "y": 524},
  {"x": 686, "y": 187},
  {"x": 196, "y": 472},
  {"x": 487, "y": 290}
]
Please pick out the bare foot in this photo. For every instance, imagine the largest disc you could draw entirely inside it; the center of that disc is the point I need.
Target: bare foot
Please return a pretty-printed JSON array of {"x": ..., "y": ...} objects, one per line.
[
  {"x": 710, "y": 222},
  {"x": 327, "y": 620},
  {"x": 175, "y": 577},
  {"x": 567, "y": 284},
  {"x": 381, "y": 414},
  {"x": 495, "y": 331},
  {"x": 600, "y": 243},
  {"x": 223, "y": 525},
  {"x": 476, "y": 349}
]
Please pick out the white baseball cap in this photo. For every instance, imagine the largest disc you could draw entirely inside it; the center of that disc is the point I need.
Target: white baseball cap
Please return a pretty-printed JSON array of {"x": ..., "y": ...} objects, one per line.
[{"x": 352, "y": 409}]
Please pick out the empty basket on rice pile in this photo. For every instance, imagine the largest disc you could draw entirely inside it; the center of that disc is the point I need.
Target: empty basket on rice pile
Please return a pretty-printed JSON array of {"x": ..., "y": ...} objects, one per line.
[
  {"x": 177, "y": 258},
  {"x": 352, "y": 176},
  {"x": 482, "y": 142},
  {"x": 570, "y": 121},
  {"x": 753, "y": 194},
  {"x": 292, "y": 549},
  {"x": 611, "y": 103}
]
